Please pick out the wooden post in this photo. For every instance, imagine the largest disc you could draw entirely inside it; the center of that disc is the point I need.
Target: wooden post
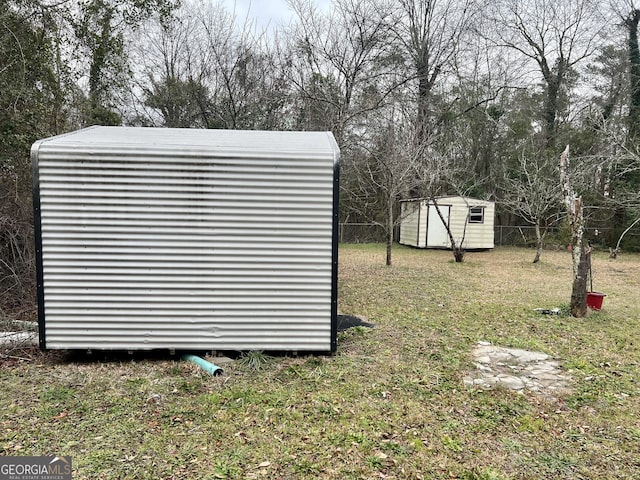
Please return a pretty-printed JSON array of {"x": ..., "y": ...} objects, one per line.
[{"x": 573, "y": 204}]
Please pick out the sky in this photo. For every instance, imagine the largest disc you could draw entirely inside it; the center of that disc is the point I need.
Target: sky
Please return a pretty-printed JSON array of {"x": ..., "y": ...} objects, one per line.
[{"x": 267, "y": 13}]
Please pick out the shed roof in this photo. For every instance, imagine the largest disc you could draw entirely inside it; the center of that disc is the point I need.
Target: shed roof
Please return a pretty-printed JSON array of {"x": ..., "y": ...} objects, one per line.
[
  {"x": 255, "y": 141},
  {"x": 443, "y": 197}
]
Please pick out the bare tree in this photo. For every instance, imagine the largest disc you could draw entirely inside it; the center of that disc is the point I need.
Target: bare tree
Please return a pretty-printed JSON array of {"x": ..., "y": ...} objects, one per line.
[
  {"x": 383, "y": 170},
  {"x": 248, "y": 90},
  {"x": 629, "y": 14},
  {"x": 101, "y": 27},
  {"x": 344, "y": 65},
  {"x": 618, "y": 174},
  {"x": 457, "y": 245},
  {"x": 348, "y": 75},
  {"x": 393, "y": 161},
  {"x": 171, "y": 56},
  {"x": 579, "y": 249},
  {"x": 431, "y": 34},
  {"x": 556, "y": 35},
  {"x": 534, "y": 195},
  {"x": 206, "y": 68}
]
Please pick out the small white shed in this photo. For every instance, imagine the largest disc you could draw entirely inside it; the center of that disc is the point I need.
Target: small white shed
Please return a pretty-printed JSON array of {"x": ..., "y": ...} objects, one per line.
[
  {"x": 186, "y": 239},
  {"x": 422, "y": 227}
]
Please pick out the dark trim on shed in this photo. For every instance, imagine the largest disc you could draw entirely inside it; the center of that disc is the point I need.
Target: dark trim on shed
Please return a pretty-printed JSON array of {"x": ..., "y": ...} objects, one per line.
[
  {"x": 418, "y": 230},
  {"x": 37, "y": 230},
  {"x": 334, "y": 255}
]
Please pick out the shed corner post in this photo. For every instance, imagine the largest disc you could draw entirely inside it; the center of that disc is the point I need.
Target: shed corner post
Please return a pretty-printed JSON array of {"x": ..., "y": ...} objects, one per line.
[
  {"x": 37, "y": 230},
  {"x": 334, "y": 254}
]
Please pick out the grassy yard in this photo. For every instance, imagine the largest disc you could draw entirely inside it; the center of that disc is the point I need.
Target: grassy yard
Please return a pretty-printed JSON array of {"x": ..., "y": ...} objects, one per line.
[{"x": 389, "y": 404}]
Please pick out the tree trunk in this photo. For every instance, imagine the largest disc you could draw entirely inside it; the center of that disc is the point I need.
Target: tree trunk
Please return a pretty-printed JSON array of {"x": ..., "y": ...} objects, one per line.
[
  {"x": 425, "y": 84},
  {"x": 423, "y": 105},
  {"x": 634, "y": 73},
  {"x": 551, "y": 109},
  {"x": 573, "y": 204},
  {"x": 458, "y": 254},
  {"x": 580, "y": 277},
  {"x": 389, "y": 230},
  {"x": 580, "y": 265},
  {"x": 540, "y": 236},
  {"x": 458, "y": 251}
]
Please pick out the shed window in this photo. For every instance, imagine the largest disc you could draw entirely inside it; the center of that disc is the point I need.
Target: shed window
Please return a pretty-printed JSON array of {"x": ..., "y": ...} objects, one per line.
[{"x": 476, "y": 214}]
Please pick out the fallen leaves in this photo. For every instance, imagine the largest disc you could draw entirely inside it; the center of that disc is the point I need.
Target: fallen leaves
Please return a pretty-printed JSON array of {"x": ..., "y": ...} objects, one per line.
[{"x": 61, "y": 415}]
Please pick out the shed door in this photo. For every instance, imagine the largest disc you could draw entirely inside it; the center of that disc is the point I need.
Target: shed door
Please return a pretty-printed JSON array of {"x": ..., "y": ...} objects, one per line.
[{"x": 436, "y": 231}]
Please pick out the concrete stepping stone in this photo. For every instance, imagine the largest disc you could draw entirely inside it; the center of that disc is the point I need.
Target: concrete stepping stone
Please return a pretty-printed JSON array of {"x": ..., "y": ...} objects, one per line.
[{"x": 517, "y": 369}]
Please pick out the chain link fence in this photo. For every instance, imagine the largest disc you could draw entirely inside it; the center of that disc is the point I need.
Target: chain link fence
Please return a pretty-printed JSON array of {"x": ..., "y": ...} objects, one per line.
[
  {"x": 525, "y": 236},
  {"x": 361, "y": 233},
  {"x": 522, "y": 236},
  {"x": 504, "y": 235}
]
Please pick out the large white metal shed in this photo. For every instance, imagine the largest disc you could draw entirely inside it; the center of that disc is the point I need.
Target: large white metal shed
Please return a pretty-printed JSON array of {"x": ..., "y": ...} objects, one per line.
[
  {"x": 468, "y": 218},
  {"x": 186, "y": 239}
]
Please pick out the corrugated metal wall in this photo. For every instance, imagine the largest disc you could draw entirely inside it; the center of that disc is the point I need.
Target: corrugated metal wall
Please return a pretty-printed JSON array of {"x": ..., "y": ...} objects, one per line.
[{"x": 187, "y": 240}]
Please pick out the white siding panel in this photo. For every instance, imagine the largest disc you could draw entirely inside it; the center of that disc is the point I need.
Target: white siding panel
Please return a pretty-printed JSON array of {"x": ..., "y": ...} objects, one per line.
[
  {"x": 409, "y": 212},
  {"x": 415, "y": 229},
  {"x": 163, "y": 238},
  {"x": 477, "y": 235}
]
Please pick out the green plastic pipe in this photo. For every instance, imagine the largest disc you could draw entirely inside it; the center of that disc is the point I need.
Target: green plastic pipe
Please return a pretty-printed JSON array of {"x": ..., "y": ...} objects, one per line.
[{"x": 208, "y": 367}]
